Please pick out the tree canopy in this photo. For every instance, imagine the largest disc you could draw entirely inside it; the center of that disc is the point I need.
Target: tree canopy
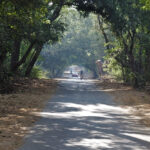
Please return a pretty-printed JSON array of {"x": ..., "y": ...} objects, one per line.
[
  {"x": 82, "y": 44},
  {"x": 26, "y": 26}
]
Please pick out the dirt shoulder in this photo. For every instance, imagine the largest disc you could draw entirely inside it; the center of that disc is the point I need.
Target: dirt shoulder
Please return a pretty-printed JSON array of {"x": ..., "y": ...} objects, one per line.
[
  {"x": 16, "y": 109},
  {"x": 137, "y": 100}
]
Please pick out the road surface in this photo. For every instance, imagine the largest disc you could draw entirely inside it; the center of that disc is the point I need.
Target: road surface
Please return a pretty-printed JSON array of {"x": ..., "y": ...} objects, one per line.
[{"x": 81, "y": 117}]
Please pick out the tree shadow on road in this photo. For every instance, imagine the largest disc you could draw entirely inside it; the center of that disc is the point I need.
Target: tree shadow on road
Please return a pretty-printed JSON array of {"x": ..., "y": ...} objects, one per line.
[
  {"x": 80, "y": 117},
  {"x": 86, "y": 127}
]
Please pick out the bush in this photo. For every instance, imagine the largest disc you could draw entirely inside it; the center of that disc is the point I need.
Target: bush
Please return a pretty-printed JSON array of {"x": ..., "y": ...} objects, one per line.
[{"x": 37, "y": 72}]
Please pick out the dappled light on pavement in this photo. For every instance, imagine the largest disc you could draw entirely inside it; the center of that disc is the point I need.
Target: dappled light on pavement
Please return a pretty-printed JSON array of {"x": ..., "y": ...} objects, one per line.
[
  {"x": 78, "y": 111},
  {"x": 79, "y": 117},
  {"x": 91, "y": 143},
  {"x": 139, "y": 136}
]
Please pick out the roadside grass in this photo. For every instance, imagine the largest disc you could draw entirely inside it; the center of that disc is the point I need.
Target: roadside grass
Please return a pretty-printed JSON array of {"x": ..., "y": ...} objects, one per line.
[{"x": 137, "y": 100}]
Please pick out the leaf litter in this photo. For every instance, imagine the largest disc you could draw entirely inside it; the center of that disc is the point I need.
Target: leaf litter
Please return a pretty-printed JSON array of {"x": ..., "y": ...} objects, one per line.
[{"x": 17, "y": 108}]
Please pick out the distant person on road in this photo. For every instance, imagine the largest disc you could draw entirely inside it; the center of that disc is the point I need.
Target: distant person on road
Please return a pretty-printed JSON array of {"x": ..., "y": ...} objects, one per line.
[
  {"x": 81, "y": 74},
  {"x": 100, "y": 68},
  {"x": 71, "y": 72}
]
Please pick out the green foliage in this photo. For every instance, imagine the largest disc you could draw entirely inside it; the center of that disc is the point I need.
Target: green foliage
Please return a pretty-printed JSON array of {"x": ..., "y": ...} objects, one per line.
[
  {"x": 37, "y": 72},
  {"x": 145, "y": 4},
  {"x": 26, "y": 26},
  {"x": 81, "y": 45},
  {"x": 130, "y": 25}
]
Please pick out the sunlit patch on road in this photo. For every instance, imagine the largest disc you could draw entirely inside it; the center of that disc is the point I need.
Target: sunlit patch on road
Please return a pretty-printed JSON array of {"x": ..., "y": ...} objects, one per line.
[
  {"x": 91, "y": 143},
  {"x": 138, "y": 136},
  {"x": 98, "y": 110}
]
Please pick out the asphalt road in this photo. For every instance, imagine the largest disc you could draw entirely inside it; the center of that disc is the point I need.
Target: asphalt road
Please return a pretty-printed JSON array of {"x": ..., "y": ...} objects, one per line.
[{"x": 80, "y": 117}]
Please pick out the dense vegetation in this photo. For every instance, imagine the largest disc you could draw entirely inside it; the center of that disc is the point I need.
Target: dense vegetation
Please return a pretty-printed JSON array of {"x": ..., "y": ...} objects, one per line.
[
  {"x": 129, "y": 23},
  {"x": 26, "y": 26},
  {"x": 82, "y": 45}
]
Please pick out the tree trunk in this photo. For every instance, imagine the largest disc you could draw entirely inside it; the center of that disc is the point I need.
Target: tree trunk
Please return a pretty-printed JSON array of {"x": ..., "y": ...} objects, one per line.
[
  {"x": 23, "y": 59},
  {"x": 103, "y": 31},
  {"x": 147, "y": 61},
  {"x": 33, "y": 60},
  {"x": 57, "y": 11},
  {"x": 2, "y": 57},
  {"x": 140, "y": 64},
  {"x": 15, "y": 54}
]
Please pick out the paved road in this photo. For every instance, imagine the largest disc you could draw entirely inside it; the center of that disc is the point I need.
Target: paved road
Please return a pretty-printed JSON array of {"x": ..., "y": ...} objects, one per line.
[{"x": 80, "y": 117}]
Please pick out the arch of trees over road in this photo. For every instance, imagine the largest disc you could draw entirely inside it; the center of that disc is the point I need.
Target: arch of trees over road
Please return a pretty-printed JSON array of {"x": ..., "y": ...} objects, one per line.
[{"x": 27, "y": 26}]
